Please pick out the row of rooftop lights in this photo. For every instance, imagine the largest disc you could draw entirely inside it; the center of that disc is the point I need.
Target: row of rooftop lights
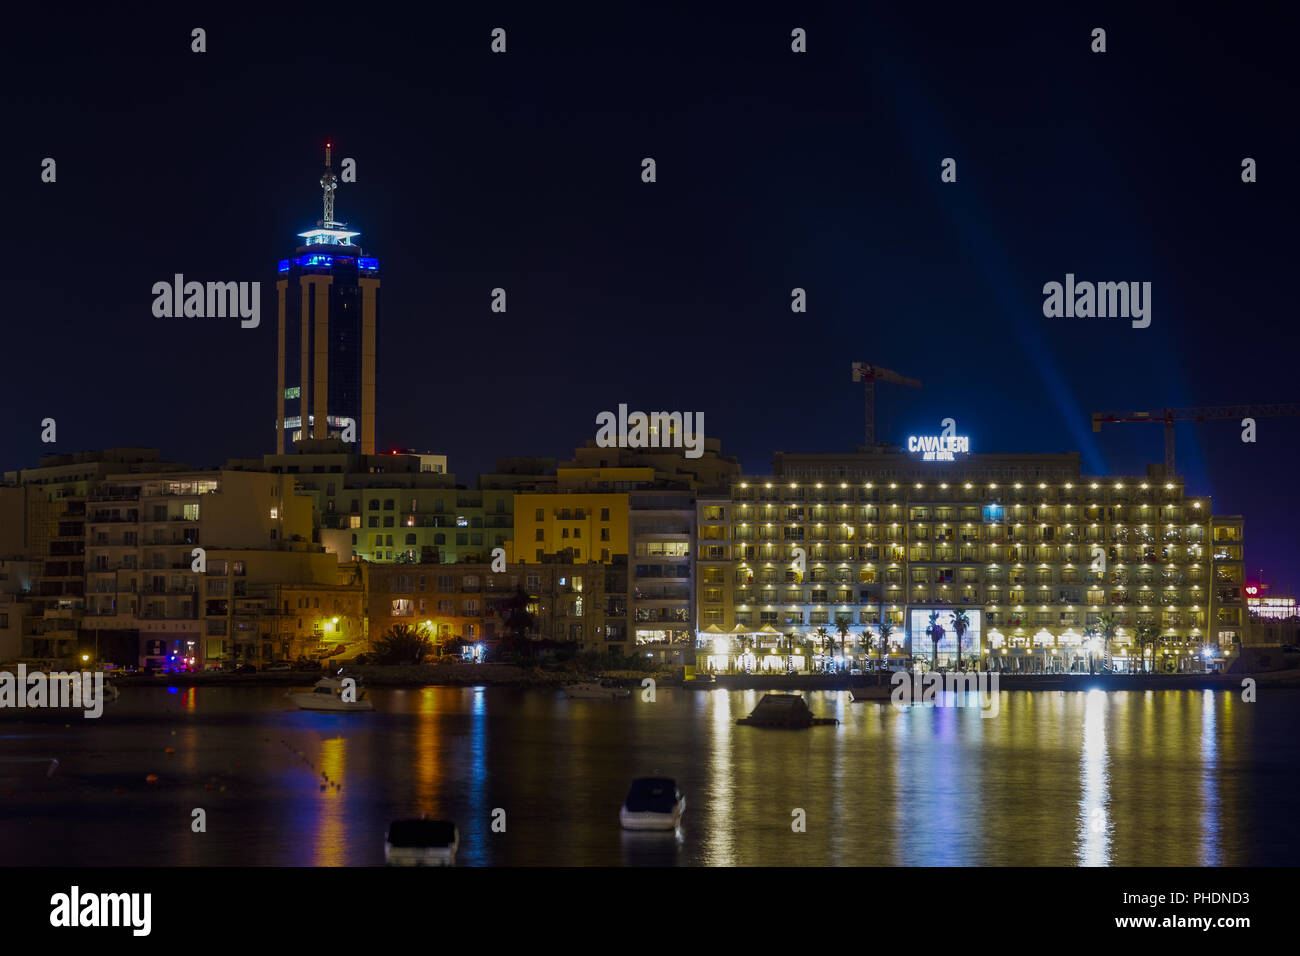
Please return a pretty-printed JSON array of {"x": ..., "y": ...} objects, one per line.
[
  {"x": 968, "y": 524},
  {"x": 1119, "y": 486}
]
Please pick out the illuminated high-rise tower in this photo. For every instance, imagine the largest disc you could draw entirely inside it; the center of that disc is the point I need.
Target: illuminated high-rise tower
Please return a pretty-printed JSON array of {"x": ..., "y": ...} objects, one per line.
[{"x": 327, "y": 299}]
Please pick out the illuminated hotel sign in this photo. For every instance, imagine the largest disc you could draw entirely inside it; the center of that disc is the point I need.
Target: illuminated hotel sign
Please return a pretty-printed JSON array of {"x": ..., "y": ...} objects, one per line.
[{"x": 939, "y": 447}]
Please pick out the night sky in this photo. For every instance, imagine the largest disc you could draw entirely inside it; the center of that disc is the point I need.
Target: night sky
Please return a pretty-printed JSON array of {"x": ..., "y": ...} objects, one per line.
[{"x": 775, "y": 170}]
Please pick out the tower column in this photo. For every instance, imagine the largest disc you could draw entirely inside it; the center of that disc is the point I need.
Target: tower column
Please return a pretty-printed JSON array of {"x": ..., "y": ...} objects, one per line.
[
  {"x": 369, "y": 314},
  {"x": 321, "y": 366},
  {"x": 281, "y": 286},
  {"x": 304, "y": 351}
]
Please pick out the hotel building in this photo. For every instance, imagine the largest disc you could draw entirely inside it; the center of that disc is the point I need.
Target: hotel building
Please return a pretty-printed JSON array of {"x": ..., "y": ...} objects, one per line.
[{"x": 1037, "y": 554}]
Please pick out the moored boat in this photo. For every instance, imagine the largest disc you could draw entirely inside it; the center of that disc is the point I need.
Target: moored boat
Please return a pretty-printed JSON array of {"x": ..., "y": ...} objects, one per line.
[
  {"x": 596, "y": 690},
  {"x": 328, "y": 695},
  {"x": 652, "y": 803},
  {"x": 784, "y": 710},
  {"x": 870, "y": 692},
  {"x": 701, "y": 681},
  {"x": 59, "y": 693},
  {"x": 421, "y": 843}
]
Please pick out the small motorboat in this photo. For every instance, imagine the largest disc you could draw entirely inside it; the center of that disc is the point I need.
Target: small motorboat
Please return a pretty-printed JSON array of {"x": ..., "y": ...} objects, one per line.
[
  {"x": 596, "y": 690},
  {"x": 328, "y": 694},
  {"x": 59, "y": 693},
  {"x": 871, "y": 692},
  {"x": 421, "y": 843},
  {"x": 653, "y": 803},
  {"x": 783, "y": 710},
  {"x": 703, "y": 681}
]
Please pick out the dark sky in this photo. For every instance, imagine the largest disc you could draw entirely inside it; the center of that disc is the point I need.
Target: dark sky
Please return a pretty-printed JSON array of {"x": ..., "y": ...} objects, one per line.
[{"x": 775, "y": 170}]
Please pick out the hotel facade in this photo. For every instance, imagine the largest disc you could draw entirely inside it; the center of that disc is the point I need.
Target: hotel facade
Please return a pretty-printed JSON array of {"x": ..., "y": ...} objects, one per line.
[{"x": 1040, "y": 557}]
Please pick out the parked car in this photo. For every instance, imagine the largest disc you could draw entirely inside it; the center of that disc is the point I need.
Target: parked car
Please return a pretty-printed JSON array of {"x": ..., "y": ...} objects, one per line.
[
  {"x": 278, "y": 666},
  {"x": 245, "y": 669}
]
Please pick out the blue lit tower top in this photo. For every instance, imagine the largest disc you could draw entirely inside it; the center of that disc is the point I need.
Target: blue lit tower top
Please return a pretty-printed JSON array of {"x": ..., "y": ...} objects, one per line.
[{"x": 330, "y": 239}]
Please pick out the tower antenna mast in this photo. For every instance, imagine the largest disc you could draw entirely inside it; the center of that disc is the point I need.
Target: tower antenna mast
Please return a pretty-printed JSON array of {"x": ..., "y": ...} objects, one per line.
[{"x": 328, "y": 183}]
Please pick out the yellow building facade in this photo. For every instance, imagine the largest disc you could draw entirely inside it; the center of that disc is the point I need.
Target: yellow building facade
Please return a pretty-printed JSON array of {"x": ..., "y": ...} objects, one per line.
[{"x": 580, "y": 526}]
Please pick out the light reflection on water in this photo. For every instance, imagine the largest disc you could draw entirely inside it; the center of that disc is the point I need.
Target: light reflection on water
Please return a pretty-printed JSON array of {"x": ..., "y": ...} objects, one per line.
[
  {"x": 1094, "y": 827},
  {"x": 1192, "y": 778}
]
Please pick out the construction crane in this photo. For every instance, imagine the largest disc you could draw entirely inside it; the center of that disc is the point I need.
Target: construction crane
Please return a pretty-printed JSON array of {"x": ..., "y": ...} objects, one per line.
[
  {"x": 1204, "y": 413},
  {"x": 869, "y": 375}
]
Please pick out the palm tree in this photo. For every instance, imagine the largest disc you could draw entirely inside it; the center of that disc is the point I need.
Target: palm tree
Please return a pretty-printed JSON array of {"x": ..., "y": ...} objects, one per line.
[
  {"x": 822, "y": 635},
  {"x": 402, "y": 644},
  {"x": 885, "y": 630},
  {"x": 517, "y": 620},
  {"x": 842, "y": 625},
  {"x": 1146, "y": 634},
  {"x": 1107, "y": 626},
  {"x": 935, "y": 630},
  {"x": 1091, "y": 634},
  {"x": 959, "y": 624}
]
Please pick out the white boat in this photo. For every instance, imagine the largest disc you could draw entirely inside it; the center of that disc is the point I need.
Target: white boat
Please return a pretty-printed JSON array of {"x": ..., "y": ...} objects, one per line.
[
  {"x": 327, "y": 694},
  {"x": 421, "y": 843},
  {"x": 596, "y": 690},
  {"x": 653, "y": 803},
  {"x": 61, "y": 689}
]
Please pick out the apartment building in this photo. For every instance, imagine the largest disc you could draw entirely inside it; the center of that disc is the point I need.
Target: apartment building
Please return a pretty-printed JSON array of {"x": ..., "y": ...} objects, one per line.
[
  {"x": 17, "y": 576},
  {"x": 265, "y": 606},
  {"x": 400, "y": 507},
  {"x": 662, "y": 537},
  {"x": 660, "y": 485},
  {"x": 570, "y": 603},
  {"x": 43, "y": 519},
  {"x": 169, "y": 559}
]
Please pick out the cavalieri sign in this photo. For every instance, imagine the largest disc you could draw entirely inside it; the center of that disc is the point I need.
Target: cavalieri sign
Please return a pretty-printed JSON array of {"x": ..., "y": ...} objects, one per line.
[{"x": 941, "y": 447}]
